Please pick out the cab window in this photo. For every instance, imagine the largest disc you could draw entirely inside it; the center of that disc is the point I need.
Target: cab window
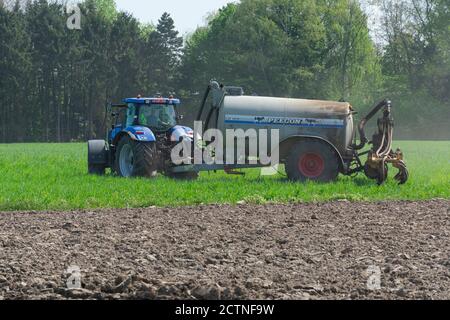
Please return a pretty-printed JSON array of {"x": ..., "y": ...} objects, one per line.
[{"x": 131, "y": 115}]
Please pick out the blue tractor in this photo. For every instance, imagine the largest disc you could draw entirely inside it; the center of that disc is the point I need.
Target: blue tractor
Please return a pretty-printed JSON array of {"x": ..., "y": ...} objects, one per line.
[{"x": 140, "y": 142}]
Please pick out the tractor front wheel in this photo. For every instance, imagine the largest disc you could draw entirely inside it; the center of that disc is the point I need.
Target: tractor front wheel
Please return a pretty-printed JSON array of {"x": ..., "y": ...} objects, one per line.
[
  {"x": 97, "y": 157},
  {"x": 135, "y": 159},
  {"x": 312, "y": 160}
]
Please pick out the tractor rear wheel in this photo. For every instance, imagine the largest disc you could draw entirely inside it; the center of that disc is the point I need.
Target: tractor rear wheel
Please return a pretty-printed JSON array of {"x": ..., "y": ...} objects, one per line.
[
  {"x": 312, "y": 160},
  {"x": 135, "y": 159}
]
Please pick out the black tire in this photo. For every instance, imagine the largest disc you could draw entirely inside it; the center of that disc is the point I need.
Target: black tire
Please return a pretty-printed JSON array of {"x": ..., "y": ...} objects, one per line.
[
  {"x": 143, "y": 162},
  {"x": 312, "y": 160},
  {"x": 184, "y": 176},
  {"x": 97, "y": 155},
  {"x": 97, "y": 169}
]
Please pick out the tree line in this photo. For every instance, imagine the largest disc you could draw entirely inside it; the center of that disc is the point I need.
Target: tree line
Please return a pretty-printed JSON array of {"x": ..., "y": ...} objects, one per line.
[{"x": 55, "y": 81}]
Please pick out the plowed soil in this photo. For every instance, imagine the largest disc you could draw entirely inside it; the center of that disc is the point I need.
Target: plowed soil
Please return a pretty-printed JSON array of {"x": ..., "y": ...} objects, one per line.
[{"x": 294, "y": 251}]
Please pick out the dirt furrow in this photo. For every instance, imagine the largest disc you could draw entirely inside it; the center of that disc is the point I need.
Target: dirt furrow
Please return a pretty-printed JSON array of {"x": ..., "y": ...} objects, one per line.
[{"x": 338, "y": 250}]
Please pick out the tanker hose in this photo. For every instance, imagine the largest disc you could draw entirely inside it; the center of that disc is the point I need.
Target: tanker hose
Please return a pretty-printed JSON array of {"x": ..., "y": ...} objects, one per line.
[
  {"x": 202, "y": 108},
  {"x": 362, "y": 124}
]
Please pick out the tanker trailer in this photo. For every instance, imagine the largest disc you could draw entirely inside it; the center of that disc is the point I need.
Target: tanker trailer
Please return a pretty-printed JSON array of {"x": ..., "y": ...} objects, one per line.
[{"x": 317, "y": 140}]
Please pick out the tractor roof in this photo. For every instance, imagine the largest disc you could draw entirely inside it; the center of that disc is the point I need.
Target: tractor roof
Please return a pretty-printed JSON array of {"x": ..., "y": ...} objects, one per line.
[{"x": 167, "y": 101}]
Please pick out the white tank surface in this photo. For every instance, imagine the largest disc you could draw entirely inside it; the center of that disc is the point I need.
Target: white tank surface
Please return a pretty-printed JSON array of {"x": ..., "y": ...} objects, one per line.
[
  {"x": 285, "y": 112},
  {"x": 274, "y": 106}
]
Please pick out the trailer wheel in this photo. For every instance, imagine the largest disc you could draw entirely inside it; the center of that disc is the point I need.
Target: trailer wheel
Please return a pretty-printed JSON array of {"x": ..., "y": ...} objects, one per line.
[
  {"x": 135, "y": 159},
  {"x": 312, "y": 160}
]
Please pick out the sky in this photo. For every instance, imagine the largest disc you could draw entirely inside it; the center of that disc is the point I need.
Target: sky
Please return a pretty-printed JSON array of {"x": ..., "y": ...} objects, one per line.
[{"x": 187, "y": 14}]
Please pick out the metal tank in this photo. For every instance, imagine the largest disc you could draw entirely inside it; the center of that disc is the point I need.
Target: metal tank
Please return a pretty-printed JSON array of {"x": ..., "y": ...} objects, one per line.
[{"x": 326, "y": 120}]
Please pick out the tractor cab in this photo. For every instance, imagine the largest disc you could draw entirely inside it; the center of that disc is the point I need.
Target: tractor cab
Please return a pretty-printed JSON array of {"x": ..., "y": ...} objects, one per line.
[
  {"x": 144, "y": 118},
  {"x": 157, "y": 114}
]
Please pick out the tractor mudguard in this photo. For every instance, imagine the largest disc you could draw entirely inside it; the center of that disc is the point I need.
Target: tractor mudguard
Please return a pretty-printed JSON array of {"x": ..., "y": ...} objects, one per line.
[{"x": 114, "y": 133}]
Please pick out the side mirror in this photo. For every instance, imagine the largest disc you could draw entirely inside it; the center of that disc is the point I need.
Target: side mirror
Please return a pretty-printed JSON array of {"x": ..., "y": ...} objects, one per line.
[{"x": 180, "y": 117}]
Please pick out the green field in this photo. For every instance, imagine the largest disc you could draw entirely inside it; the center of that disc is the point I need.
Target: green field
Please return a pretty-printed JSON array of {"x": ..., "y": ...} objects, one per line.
[{"x": 53, "y": 176}]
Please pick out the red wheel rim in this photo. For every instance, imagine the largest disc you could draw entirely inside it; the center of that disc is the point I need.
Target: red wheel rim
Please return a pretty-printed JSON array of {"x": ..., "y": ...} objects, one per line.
[{"x": 311, "y": 165}]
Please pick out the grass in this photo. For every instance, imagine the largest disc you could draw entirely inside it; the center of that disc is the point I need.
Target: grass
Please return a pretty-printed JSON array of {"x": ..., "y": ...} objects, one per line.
[{"x": 53, "y": 177}]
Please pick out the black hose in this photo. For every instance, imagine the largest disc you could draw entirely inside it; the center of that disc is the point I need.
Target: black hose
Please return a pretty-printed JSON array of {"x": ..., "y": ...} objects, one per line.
[
  {"x": 202, "y": 108},
  {"x": 365, "y": 120},
  {"x": 208, "y": 119},
  {"x": 105, "y": 119}
]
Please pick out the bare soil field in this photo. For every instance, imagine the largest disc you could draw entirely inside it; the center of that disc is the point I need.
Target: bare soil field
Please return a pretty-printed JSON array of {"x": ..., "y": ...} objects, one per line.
[{"x": 296, "y": 251}]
